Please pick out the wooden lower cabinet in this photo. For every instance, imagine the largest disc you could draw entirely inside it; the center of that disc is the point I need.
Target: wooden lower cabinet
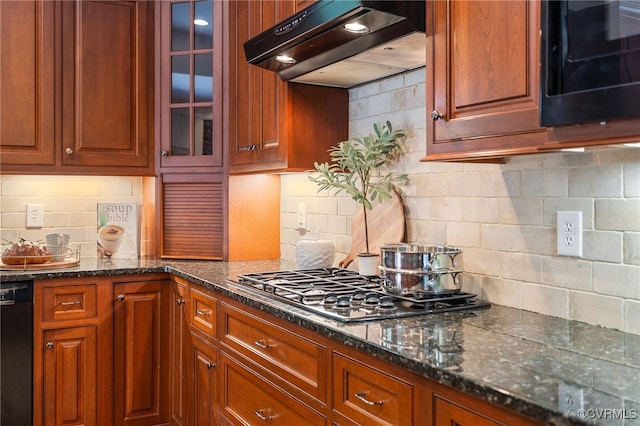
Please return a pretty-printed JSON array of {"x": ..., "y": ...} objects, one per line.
[
  {"x": 72, "y": 360},
  {"x": 147, "y": 350},
  {"x": 179, "y": 350},
  {"x": 204, "y": 383},
  {"x": 369, "y": 396},
  {"x": 246, "y": 398},
  {"x": 140, "y": 353},
  {"x": 69, "y": 376}
]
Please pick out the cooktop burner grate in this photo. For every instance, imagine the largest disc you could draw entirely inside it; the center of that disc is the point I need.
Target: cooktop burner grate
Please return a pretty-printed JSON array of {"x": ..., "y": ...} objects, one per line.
[{"x": 345, "y": 295}]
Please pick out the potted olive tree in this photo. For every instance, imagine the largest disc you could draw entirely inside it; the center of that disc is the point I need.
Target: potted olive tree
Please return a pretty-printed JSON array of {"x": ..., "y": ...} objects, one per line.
[{"x": 359, "y": 167}]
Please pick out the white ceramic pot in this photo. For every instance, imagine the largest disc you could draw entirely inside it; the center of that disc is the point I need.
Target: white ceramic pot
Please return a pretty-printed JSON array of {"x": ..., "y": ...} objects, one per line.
[
  {"x": 312, "y": 253},
  {"x": 368, "y": 264}
]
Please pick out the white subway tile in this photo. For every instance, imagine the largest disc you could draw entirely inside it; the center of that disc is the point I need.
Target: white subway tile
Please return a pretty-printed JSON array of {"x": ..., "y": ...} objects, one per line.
[
  {"x": 521, "y": 211},
  {"x": 545, "y": 183},
  {"x": 502, "y": 292},
  {"x": 596, "y": 309},
  {"x": 595, "y": 182},
  {"x": 602, "y": 246},
  {"x": 552, "y": 205},
  {"x": 567, "y": 272},
  {"x": 501, "y": 237},
  {"x": 521, "y": 267},
  {"x": 631, "y": 250},
  {"x": 617, "y": 280},
  {"x": 463, "y": 234},
  {"x": 632, "y": 316},
  {"x": 617, "y": 214},
  {"x": 545, "y": 299},
  {"x": 631, "y": 175}
]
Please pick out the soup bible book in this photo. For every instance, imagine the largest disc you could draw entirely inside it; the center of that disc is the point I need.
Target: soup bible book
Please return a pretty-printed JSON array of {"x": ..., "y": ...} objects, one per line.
[{"x": 119, "y": 228}]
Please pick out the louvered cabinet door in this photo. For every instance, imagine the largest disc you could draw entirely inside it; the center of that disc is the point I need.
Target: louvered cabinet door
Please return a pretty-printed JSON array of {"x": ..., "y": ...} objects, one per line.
[{"x": 193, "y": 216}]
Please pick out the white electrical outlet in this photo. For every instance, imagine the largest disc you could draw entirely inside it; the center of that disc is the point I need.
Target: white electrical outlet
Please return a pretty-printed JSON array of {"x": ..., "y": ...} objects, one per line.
[
  {"x": 34, "y": 215},
  {"x": 569, "y": 236},
  {"x": 302, "y": 216},
  {"x": 570, "y": 398}
]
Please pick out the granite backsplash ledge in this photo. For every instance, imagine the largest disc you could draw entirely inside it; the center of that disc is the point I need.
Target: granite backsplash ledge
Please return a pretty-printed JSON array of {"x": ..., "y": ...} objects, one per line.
[{"x": 513, "y": 358}]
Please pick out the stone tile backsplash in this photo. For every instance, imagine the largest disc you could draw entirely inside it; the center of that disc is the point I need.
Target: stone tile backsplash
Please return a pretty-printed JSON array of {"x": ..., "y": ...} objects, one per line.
[
  {"x": 502, "y": 216},
  {"x": 69, "y": 204}
]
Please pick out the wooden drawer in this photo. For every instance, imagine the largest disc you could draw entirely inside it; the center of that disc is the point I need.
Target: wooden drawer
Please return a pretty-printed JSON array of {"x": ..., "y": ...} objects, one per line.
[
  {"x": 452, "y": 414},
  {"x": 203, "y": 310},
  {"x": 69, "y": 302},
  {"x": 297, "y": 360},
  {"x": 368, "y": 396},
  {"x": 248, "y": 399}
]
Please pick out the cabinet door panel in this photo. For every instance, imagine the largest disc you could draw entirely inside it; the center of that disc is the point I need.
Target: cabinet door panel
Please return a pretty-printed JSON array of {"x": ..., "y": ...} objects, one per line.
[
  {"x": 258, "y": 95},
  {"x": 484, "y": 56},
  {"x": 139, "y": 359},
  {"x": 69, "y": 369},
  {"x": 179, "y": 348},
  {"x": 26, "y": 82},
  {"x": 205, "y": 382},
  {"x": 105, "y": 116}
]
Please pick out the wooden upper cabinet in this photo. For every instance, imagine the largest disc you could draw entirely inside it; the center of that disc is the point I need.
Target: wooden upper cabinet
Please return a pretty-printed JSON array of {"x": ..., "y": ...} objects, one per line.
[
  {"x": 26, "y": 82},
  {"x": 107, "y": 53},
  {"x": 273, "y": 125},
  {"x": 482, "y": 79},
  {"x": 190, "y": 85},
  {"x": 76, "y": 87}
]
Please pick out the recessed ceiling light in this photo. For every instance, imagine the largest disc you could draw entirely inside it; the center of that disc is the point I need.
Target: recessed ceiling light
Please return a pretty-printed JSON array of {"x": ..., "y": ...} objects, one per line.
[
  {"x": 200, "y": 22},
  {"x": 285, "y": 59},
  {"x": 356, "y": 28}
]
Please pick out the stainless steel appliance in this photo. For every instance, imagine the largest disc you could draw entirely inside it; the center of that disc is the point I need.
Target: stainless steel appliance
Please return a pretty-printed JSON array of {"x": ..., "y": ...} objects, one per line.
[
  {"x": 590, "y": 65},
  {"x": 16, "y": 353},
  {"x": 320, "y": 45},
  {"x": 347, "y": 296}
]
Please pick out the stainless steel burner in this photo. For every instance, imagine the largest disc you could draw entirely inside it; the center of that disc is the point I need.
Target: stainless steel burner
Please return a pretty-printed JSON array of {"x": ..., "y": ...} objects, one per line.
[{"x": 345, "y": 295}]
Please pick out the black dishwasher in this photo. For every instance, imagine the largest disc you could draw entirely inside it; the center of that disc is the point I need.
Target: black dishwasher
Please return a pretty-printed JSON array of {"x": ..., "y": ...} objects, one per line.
[{"x": 16, "y": 353}]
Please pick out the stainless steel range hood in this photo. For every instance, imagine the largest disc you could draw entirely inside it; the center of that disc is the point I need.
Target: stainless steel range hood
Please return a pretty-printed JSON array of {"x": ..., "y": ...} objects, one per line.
[{"x": 323, "y": 52}]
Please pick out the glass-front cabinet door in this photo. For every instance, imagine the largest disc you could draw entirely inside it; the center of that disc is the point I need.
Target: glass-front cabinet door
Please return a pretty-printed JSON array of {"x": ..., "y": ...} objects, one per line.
[{"x": 191, "y": 84}]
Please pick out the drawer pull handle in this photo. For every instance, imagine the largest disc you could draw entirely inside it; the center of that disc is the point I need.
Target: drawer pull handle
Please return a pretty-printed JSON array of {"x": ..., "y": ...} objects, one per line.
[
  {"x": 204, "y": 312},
  {"x": 180, "y": 301},
  {"x": 262, "y": 416},
  {"x": 262, "y": 344},
  {"x": 75, "y": 302},
  {"x": 210, "y": 365},
  {"x": 361, "y": 396}
]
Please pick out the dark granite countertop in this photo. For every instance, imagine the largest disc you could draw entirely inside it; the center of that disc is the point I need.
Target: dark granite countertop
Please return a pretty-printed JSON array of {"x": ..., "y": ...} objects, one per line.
[{"x": 513, "y": 358}]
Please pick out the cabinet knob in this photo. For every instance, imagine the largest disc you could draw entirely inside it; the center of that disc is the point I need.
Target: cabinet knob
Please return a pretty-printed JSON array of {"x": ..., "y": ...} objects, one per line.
[
  {"x": 180, "y": 301},
  {"x": 164, "y": 153},
  {"x": 435, "y": 116},
  {"x": 49, "y": 345},
  {"x": 252, "y": 147},
  {"x": 69, "y": 151},
  {"x": 120, "y": 297},
  {"x": 210, "y": 365}
]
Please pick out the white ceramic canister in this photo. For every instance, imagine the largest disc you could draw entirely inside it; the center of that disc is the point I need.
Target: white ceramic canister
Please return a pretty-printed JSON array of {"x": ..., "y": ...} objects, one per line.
[{"x": 312, "y": 253}]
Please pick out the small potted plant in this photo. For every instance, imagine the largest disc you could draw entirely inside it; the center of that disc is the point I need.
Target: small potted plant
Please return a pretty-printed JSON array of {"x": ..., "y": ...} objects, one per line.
[{"x": 357, "y": 168}]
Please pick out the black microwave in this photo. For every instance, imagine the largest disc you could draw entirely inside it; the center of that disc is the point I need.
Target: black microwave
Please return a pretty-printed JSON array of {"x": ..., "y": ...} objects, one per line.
[{"x": 590, "y": 64}]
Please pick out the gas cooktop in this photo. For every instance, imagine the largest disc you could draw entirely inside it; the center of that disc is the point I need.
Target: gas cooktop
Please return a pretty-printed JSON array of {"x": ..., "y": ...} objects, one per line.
[{"x": 347, "y": 296}]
